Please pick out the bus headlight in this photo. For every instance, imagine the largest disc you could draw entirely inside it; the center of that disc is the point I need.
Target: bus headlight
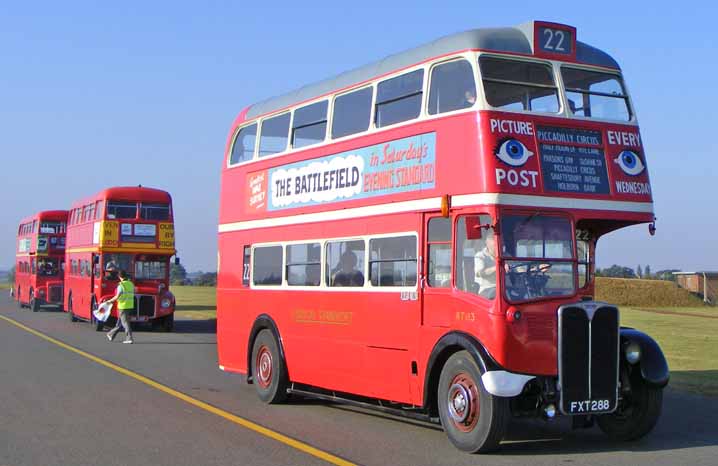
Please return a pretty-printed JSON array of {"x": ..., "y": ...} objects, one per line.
[
  {"x": 165, "y": 303},
  {"x": 633, "y": 352}
]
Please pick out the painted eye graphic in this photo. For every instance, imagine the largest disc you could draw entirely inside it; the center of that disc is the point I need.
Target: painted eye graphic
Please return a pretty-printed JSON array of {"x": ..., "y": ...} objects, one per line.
[
  {"x": 513, "y": 152},
  {"x": 630, "y": 163}
]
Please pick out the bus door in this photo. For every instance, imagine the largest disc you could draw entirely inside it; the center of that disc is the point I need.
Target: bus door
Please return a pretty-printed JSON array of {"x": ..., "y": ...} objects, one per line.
[
  {"x": 437, "y": 279},
  {"x": 392, "y": 313}
]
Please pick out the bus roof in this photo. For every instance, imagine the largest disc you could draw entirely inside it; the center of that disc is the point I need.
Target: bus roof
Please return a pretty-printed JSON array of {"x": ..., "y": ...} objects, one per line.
[
  {"x": 128, "y": 193},
  {"x": 47, "y": 215},
  {"x": 517, "y": 40}
]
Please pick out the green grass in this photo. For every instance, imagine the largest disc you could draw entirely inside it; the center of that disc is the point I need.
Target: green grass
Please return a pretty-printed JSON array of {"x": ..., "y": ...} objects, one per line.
[
  {"x": 195, "y": 302},
  {"x": 5, "y": 285},
  {"x": 690, "y": 344},
  {"x": 687, "y": 335}
]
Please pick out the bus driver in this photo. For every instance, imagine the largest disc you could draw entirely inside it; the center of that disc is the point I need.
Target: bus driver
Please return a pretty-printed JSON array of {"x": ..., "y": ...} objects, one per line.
[{"x": 485, "y": 268}]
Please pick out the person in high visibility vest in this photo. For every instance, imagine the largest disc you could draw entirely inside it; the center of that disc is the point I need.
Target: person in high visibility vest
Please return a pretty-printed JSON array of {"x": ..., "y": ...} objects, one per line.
[{"x": 125, "y": 297}]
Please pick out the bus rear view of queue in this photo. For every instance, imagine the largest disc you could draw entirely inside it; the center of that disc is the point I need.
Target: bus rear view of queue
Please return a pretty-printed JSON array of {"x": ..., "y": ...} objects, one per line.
[{"x": 418, "y": 235}]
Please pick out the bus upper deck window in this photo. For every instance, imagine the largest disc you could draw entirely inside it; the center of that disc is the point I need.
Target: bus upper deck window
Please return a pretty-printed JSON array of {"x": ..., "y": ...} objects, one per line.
[
  {"x": 352, "y": 113},
  {"x": 310, "y": 124},
  {"x": 593, "y": 94},
  {"x": 519, "y": 85},
  {"x": 274, "y": 135},
  {"x": 120, "y": 210},
  {"x": 399, "y": 99},
  {"x": 452, "y": 87},
  {"x": 243, "y": 147},
  {"x": 154, "y": 211}
]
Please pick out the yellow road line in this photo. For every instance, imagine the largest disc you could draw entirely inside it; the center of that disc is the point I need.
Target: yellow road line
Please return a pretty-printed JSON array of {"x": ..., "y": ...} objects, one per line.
[{"x": 310, "y": 450}]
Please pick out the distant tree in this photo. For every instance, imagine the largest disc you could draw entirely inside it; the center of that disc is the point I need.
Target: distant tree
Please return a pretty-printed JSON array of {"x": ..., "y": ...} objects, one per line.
[
  {"x": 639, "y": 272},
  {"x": 178, "y": 274},
  {"x": 207, "y": 279},
  {"x": 11, "y": 275},
  {"x": 647, "y": 272},
  {"x": 619, "y": 271}
]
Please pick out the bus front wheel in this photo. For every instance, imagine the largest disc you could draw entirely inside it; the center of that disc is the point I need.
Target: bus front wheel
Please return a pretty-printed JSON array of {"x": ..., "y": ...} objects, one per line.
[
  {"x": 269, "y": 370},
  {"x": 474, "y": 420},
  {"x": 637, "y": 413},
  {"x": 19, "y": 299}
]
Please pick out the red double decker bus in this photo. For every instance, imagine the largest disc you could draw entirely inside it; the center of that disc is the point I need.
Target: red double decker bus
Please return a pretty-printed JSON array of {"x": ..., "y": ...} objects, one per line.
[
  {"x": 419, "y": 235},
  {"x": 39, "y": 259},
  {"x": 121, "y": 228}
]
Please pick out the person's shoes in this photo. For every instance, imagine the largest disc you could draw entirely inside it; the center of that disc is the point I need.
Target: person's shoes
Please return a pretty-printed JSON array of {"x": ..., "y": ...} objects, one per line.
[
  {"x": 128, "y": 341},
  {"x": 110, "y": 336}
]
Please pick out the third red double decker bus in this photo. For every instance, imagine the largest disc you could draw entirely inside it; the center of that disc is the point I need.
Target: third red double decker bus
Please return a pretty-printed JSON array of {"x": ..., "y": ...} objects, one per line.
[
  {"x": 419, "y": 235},
  {"x": 121, "y": 228},
  {"x": 40, "y": 259}
]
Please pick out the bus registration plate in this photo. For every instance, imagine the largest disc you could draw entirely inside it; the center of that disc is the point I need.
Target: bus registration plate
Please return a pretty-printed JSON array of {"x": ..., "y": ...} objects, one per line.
[{"x": 589, "y": 406}]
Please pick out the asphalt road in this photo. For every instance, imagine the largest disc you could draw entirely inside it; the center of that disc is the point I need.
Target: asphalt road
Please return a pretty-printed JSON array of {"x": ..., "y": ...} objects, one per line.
[{"x": 58, "y": 407}]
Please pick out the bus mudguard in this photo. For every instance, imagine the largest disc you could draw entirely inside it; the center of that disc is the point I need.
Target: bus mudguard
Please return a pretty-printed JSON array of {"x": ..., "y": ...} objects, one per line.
[
  {"x": 496, "y": 380},
  {"x": 654, "y": 368},
  {"x": 260, "y": 323}
]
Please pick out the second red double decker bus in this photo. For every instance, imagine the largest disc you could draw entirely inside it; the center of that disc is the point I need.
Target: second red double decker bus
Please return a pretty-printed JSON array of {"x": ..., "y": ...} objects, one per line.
[
  {"x": 121, "y": 228},
  {"x": 40, "y": 259},
  {"x": 421, "y": 231}
]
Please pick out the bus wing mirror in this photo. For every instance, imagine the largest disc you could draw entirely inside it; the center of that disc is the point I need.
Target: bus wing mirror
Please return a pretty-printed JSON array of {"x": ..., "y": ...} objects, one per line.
[
  {"x": 96, "y": 260},
  {"x": 473, "y": 228},
  {"x": 177, "y": 260}
]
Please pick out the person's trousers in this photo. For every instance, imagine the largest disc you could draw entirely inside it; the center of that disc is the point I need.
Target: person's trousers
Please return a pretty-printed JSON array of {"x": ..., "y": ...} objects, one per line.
[{"x": 124, "y": 322}]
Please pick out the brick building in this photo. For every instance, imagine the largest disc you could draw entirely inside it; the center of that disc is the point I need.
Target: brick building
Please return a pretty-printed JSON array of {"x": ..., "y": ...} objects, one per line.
[{"x": 702, "y": 283}]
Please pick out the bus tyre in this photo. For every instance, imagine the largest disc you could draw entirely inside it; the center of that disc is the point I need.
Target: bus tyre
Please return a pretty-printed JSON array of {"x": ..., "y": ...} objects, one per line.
[
  {"x": 19, "y": 300},
  {"x": 69, "y": 309},
  {"x": 34, "y": 304},
  {"x": 168, "y": 323},
  {"x": 474, "y": 420},
  {"x": 269, "y": 370},
  {"x": 637, "y": 413}
]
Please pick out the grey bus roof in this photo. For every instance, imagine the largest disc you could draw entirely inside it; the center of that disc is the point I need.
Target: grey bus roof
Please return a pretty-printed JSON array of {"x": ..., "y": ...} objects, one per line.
[{"x": 509, "y": 39}]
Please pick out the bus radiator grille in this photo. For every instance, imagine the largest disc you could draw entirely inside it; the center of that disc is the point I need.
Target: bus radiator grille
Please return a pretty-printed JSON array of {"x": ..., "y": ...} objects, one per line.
[{"x": 588, "y": 357}]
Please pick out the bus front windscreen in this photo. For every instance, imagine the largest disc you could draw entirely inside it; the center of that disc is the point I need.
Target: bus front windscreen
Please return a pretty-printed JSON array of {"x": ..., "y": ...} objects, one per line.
[
  {"x": 150, "y": 267},
  {"x": 594, "y": 94},
  {"x": 48, "y": 267},
  {"x": 538, "y": 256}
]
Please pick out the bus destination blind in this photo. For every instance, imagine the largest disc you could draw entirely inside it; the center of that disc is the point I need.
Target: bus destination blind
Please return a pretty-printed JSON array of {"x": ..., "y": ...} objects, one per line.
[{"x": 572, "y": 160}]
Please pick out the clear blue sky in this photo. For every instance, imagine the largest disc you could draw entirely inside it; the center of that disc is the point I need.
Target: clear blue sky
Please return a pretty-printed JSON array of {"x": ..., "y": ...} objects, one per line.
[{"x": 94, "y": 94}]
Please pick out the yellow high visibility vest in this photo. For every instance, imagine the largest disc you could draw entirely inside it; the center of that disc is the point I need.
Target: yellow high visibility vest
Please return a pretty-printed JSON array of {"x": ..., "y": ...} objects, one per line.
[{"x": 127, "y": 298}]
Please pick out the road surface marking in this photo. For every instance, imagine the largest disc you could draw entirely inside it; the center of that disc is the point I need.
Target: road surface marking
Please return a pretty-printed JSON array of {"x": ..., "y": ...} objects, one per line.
[{"x": 310, "y": 450}]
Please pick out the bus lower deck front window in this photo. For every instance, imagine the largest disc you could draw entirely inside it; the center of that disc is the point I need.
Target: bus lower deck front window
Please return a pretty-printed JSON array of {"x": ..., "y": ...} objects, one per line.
[{"x": 538, "y": 256}]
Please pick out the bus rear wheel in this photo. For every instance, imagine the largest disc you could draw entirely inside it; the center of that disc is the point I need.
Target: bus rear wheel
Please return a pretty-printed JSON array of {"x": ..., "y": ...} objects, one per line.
[
  {"x": 269, "y": 370},
  {"x": 637, "y": 413},
  {"x": 34, "y": 304},
  {"x": 69, "y": 309},
  {"x": 474, "y": 420}
]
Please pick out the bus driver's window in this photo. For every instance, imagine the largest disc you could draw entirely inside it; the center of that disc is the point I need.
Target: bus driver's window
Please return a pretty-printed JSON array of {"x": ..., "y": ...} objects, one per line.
[{"x": 476, "y": 256}]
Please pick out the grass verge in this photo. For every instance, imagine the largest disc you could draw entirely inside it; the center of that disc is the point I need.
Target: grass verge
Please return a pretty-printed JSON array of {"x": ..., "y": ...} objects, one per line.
[
  {"x": 689, "y": 339},
  {"x": 195, "y": 302}
]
